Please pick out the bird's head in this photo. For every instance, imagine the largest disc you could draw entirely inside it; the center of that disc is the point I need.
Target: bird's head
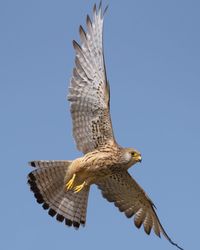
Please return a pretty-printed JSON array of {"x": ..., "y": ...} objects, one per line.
[
  {"x": 135, "y": 155},
  {"x": 132, "y": 156}
]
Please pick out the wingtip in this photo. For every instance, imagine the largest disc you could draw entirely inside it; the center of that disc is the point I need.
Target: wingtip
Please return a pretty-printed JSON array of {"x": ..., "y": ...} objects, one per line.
[
  {"x": 164, "y": 233},
  {"x": 105, "y": 10},
  {"x": 76, "y": 45},
  {"x": 95, "y": 9},
  {"x": 100, "y": 6},
  {"x": 88, "y": 20},
  {"x": 81, "y": 30},
  {"x": 176, "y": 245},
  {"x": 147, "y": 230},
  {"x": 82, "y": 33},
  {"x": 100, "y": 9}
]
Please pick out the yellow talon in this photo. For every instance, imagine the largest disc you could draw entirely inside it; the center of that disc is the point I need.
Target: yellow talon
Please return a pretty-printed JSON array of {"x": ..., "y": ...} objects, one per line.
[
  {"x": 70, "y": 183},
  {"x": 79, "y": 187}
]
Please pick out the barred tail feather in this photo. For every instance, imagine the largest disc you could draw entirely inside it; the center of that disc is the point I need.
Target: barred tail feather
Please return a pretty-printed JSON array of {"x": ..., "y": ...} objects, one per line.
[{"x": 48, "y": 186}]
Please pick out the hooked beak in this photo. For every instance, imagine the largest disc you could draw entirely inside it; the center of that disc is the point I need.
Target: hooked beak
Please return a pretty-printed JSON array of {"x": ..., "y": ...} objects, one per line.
[{"x": 138, "y": 158}]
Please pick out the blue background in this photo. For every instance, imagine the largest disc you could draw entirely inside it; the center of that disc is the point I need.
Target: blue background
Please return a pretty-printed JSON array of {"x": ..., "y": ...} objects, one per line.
[{"x": 152, "y": 51}]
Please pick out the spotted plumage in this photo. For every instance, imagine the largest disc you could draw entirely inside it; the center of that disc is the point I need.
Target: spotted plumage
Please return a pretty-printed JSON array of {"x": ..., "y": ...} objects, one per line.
[{"x": 62, "y": 187}]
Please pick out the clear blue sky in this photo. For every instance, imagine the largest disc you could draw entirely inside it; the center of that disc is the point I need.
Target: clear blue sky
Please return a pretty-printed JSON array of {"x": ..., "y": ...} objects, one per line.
[{"x": 152, "y": 51}]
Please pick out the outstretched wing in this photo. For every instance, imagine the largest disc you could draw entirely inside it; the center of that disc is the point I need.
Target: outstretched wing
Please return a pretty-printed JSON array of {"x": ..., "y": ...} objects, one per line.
[
  {"x": 131, "y": 199},
  {"x": 89, "y": 89}
]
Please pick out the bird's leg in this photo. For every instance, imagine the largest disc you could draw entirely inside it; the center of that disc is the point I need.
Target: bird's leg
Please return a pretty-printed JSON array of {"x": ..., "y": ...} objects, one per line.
[
  {"x": 70, "y": 183},
  {"x": 79, "y": 187}
]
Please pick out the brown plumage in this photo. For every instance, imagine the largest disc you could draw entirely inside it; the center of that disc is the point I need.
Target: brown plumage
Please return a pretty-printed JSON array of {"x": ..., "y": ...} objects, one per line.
[{"x": 63, "y": 186}]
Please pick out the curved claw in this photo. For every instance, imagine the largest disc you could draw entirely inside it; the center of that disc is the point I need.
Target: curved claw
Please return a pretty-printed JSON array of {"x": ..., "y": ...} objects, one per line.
[
  {"x": 79, "y": 187},
  {"x": 70, "y": 183}
]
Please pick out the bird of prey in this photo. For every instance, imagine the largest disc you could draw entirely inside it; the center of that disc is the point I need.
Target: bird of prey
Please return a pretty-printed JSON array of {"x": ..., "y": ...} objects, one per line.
[{"x": 62, "y": 187}]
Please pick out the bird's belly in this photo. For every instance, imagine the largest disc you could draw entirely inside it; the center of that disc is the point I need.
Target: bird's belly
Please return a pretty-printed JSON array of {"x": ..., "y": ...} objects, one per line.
[{"x": 95, "y": 173}]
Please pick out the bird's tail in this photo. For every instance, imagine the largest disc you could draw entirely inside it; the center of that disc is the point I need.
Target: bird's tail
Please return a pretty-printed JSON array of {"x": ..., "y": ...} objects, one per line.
[{"x": 47, "y": 184}]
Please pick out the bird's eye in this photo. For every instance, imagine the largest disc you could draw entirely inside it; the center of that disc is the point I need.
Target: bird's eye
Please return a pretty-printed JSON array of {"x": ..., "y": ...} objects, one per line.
[{"x": 132, "y": 153}]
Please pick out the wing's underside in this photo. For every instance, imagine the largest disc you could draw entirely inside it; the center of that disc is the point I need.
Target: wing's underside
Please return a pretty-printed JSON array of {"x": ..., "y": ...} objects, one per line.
[
  {"x": 131, "y": 199},
  {"x": 89, "y": 89}
]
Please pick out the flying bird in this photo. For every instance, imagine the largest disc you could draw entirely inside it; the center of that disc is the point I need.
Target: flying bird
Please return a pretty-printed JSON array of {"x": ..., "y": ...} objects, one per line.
[{"x": 62, "y": 187}]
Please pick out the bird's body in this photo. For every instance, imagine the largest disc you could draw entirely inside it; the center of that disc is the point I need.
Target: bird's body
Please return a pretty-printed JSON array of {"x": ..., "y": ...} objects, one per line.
[
  {"x": 63, "y": 186},
  {"x": 98, "y": 164}
]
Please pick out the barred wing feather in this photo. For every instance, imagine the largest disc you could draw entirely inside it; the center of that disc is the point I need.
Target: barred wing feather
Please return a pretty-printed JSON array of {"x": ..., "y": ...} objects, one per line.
[
  {"x": 89, "y": 89},
  {"x": 131, "y": 199}
]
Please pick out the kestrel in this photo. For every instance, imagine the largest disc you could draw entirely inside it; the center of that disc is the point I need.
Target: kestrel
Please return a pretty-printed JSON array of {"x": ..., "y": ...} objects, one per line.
[{"x": 62, "y": 187}]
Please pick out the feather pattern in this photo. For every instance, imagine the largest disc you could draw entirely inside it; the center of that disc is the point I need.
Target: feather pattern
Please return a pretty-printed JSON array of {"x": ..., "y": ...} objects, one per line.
[
  {"x": 48, "y": 186},
  {"x": 131, "y": 199},
  {"x": 89, "y": 89}
]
